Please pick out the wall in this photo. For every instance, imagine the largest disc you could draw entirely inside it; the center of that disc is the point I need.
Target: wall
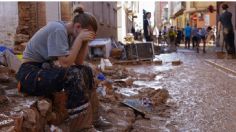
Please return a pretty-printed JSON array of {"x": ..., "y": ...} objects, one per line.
[
  {"x": 53, "y": 11},
  {"x": 9, "y": 22},
  {"x": 159, "y": 7},
  {"x": 212, "y": 20},
  {"x": 32, "y": 16},
  {"x": 106, "y": 14},
  {"x": 121, "y": 21},
  {"x": 204, "y": 4},
  {"x": 66, "y": 11}
]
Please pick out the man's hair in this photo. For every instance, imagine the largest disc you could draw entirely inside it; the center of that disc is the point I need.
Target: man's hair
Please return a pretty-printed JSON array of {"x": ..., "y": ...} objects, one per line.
[
  {"x": 225, "y": 6},
  {"x": 147, "y": 14}
]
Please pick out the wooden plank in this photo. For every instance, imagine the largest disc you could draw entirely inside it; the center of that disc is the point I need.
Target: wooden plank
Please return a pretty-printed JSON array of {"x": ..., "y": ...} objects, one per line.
[{"x": 151, "y": 61}]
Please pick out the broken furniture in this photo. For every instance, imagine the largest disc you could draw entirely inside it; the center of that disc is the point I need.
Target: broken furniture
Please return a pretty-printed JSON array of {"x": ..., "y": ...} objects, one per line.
[
  {"x": 139, "y": 51},
  {"x": 100, "y": 47}
]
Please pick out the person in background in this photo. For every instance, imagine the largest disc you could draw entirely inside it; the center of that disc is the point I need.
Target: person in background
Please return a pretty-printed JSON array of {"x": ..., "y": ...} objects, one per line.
[
  {"x": 179, "y": 36},
  {"x": 198, "y": 39},
  {"x": 187, "y": 33},
  {"x": 147, "y": 27},
  {"x": 165, "y": 30},
  {"x": 172, "y": 37},
  {"x": 155, "y": 34},
  {"x": 203, "y": 35},
  {"x": 195, "y": 35},
  {"x": 228, "y": 30}
]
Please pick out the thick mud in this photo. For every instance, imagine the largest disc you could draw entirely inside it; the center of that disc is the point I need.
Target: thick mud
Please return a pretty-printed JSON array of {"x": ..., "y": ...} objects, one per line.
[{"x": 192, "y": 96}]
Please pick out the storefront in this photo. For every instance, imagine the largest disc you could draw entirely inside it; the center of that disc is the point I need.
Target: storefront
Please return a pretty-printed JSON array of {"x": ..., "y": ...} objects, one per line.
[{"x": 202, "y": 18}]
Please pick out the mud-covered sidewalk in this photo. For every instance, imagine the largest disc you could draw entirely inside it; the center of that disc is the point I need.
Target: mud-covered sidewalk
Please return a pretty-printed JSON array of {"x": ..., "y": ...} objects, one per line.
[{"x": 192, "y": 96}]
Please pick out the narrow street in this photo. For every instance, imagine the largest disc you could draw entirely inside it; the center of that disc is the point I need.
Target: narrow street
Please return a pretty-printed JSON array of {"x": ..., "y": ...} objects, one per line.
[
  {"x": 118, "y": 66},
  {"x": 203, "y": 97}
]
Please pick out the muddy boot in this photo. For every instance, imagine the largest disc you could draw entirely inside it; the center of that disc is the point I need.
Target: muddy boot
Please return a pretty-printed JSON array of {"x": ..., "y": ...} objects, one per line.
[{"x": 102, "y": 123}]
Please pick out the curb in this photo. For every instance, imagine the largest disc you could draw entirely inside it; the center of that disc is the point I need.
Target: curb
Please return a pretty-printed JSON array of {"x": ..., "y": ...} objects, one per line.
[{"x": 221, "y": 67}]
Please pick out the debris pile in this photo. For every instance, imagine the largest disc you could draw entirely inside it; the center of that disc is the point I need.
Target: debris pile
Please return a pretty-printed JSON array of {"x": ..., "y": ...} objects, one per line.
[
  {"x": 21, "y": 113},
  {"x": 20, "y": 43}
]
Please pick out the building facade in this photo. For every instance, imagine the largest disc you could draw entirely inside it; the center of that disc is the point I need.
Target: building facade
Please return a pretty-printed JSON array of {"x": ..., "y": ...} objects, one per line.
[
  {"x": 25, "y": 18},
  {"x": 126, "y": 19},
  {"x": 9, "y": 22},
  {"x": 198, "y": 14},
  {"x": 161, "y": 11},
  {"x": 194, "y": 13},
  {"x": 106, "y": 14}
]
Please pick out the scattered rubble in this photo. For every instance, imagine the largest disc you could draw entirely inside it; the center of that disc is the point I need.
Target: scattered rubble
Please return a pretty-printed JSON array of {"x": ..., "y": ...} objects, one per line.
[
  {"x": 21, "y": 38},
  {"x": 18, "y": 49},
  {"x": 4, "y": 78},
  {"x": 106, "y": 64},
  {"x": 5, "y": 120},
  {"x": 3, "y": 100},
  {"x": 176, "y": 62},
  {"x": 42, "y": 114}
]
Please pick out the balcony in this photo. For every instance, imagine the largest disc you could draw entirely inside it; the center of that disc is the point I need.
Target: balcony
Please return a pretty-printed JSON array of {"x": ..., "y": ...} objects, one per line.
[
  {"x": 201, "y": 5},
  {"x": 179, "y": 8}
]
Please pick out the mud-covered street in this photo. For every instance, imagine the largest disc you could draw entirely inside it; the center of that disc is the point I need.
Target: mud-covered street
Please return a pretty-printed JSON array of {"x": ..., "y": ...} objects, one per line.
[
  {"x": 118, "y": 66},
  {"x": 203, "y": 96},
  {"x": 192, "y": 96}
]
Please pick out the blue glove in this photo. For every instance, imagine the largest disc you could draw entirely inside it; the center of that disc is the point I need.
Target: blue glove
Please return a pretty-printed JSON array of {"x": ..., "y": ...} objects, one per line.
[{"x": 101, "y": 77}]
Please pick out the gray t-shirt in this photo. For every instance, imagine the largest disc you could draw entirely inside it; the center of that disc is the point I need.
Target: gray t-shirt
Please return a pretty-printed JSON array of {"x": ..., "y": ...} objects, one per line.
[{"x": 49, "y": 42}]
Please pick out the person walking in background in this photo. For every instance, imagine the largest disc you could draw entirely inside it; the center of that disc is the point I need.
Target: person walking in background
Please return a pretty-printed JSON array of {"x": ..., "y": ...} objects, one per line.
[
  {"x": 172, "y": 37},
  {"x": 203, "y": 35},
  {"x": 194, "y": 36},
  {"x": 187, "y": 32},
  {"x": 155, "y": 34},
  {"x": 179, "y": 36},
  {"x": 147, "y": 27},
  {"x": 164, "y": 32},
  {"x": 228, "y": 31},
  {"x": 198, "y": 39}
]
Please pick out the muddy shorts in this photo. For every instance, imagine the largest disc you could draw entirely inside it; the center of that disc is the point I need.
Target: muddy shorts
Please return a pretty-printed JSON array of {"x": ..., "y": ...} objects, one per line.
[{"x": 76, "y": 81}]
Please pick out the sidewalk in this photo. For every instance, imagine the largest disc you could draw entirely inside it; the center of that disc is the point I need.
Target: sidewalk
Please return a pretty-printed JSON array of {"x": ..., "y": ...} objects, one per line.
[{"x": 227, "y": 65}]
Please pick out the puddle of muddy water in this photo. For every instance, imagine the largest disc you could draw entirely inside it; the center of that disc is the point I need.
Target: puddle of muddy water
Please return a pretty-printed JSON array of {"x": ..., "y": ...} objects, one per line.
[
  {"x": 128, "y": 91},
  {"x": 150, "y": 69},
  {"x": 150, "y": 84},
  {"x": 155, "y": 84}
]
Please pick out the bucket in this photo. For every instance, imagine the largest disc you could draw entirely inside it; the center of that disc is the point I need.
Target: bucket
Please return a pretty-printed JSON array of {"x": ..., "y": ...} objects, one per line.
[{"x": 19, "y": 56}]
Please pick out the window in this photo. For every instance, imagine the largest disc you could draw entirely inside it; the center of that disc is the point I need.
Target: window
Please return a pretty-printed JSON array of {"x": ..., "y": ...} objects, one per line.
[
  {"x": 92, "y": 7},
  {"x": 103, "y": 15},
  {"x": 114, "y": 18},
  {"x": 98, "y": 11},
  {"x": 108, "y": 14},
  {"x": 192, "y": 4}
]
